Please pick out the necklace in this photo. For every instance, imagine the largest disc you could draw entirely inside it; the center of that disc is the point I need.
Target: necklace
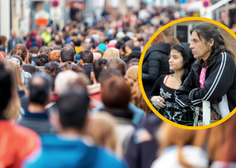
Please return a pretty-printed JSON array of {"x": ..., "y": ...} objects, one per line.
[{"x": 173, "y": 75}]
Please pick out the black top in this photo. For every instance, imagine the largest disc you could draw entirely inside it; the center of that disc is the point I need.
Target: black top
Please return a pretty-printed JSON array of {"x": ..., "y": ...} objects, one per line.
[{"x": 88, "y": 69}]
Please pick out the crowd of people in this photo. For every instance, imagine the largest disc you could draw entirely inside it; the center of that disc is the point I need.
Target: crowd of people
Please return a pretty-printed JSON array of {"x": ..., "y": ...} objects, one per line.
[{"x": 74, "y": 100}]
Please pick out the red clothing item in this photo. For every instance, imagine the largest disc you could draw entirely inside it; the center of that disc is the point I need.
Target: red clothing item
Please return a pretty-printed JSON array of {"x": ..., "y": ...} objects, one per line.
[
  {"x": 95, "y": 96},
  {"x": 29, "y": 42},
  {"x": 16, "y": 143}
]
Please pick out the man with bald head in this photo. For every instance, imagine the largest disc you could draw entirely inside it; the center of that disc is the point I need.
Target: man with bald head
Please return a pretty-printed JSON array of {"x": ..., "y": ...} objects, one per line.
[{"x": 13, "y": 41}]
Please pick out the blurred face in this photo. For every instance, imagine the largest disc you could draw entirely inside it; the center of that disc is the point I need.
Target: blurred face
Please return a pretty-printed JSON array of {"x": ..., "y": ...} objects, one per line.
[
  {"x": 176, "y": 60},
  {"x": 200, "y": 48},
  {"x": 136, "y": 42}
]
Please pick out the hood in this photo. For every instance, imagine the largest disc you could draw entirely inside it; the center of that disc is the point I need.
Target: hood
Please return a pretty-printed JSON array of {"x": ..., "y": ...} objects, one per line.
[
  {"x": 78, "y": 153},
  {"x": 160, "y": 47},
  {"x": 33, "y": 33}
]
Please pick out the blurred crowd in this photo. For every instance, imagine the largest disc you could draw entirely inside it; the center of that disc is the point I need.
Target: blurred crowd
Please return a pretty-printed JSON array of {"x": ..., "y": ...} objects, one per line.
[{"x": 71, "y": 98}]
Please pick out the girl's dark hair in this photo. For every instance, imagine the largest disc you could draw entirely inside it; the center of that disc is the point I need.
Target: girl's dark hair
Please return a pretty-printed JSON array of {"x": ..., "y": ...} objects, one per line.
[
  {"x": 206, "y": 31},
  {"x": 188, "y": 58},
  {"x": 52, "y": 68},
  {"x": 29, "y": 68}
]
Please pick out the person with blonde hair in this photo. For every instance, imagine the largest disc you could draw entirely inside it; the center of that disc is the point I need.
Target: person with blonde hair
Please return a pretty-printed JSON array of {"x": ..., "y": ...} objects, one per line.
[
  {"x": 180, "y": 148},
  {"x": 54, "y": 55},
  {"x": 111, "y": 53},
  {"x": 131, "y": 78}
]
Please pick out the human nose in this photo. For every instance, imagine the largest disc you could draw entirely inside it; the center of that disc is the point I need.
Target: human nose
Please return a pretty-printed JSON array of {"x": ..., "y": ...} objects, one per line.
[{"x": 191, "y": 45}]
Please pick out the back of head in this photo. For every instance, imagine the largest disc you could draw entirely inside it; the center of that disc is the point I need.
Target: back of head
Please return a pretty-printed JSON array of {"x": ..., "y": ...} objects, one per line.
[
  {"x": 86, "y": 56},
  {"x": 52, "y": 69},
  {"x": 98, "y": 66},
  {"x": 73, "y": 107},
  {"x": 115, "y": 93},
  {"x": 41, "y": 59},
  {"x": 133, "y": 54},
  {"x": 44, "y": 50},
  {"x": 117, "y": 63},
  {"x": 17, "y": 59},
  {"x": 86, "y": 46},
  {"x": 67, "y": 54},
  {"x": 34, "y": 50},
  {"x": 40, "y": 87},
  {"x": 29, "y": 68},
  {"x": 54, "y": 56},
  {"x": 77, "y": 43},
  {"x": 21, "y": 50},
  {"x": 160, "y": 38},
  {"x": 108, "y": 73},
  {"x": 99, "y": 51},
  {"x": 173, "y": 41},
  {"x": 57, "y": 47},
  {"x": 111, "y": 53},
  {"x": 130, "y": 44}
]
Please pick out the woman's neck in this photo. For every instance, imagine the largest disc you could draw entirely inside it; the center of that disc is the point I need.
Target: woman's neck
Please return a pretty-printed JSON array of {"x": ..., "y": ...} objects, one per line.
[{"x": 178, "y": 74}]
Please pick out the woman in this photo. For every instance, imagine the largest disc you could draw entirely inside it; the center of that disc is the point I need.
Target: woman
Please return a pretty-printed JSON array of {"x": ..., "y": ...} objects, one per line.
[
  {"x": 155, "y": 62},
  {"x": 22, "y": 51},
  {"x": 180, "y": 148},
  {"x": 162, "y": 93},
  {"x": 3, "y": 46},
  {"x": 111, "y": 53},
  {"x": 213, "y": 76}
]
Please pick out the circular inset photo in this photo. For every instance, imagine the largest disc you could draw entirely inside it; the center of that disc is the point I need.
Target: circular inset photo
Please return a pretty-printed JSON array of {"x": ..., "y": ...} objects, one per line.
[{"x": 187, "y": 73}]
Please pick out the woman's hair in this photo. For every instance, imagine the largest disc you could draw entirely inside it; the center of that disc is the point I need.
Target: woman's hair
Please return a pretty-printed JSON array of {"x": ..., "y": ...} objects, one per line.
[
  {"x": 131, "y": 78},
  {"x": 160, "y": 38},
  {"x": 173, "y": 41},
  {"x": 115, "y": 93},
  {"x": 17, "y": 74},
  {"x": 102, "y": 130},
  {"x": 111, "y": 53},
  {"x": 22, "y": 51},
  {"x": 188, "y": 58},
  {"x": 29, "y": 68},
  {"x": 52, "y": 68},
  {"x": 207, "y": 31},
  {"x": 3, "y": 40},
  {"x": 117, "y": 63},
  {"x": 54, "y": 56},
  {"x": 10, "y": 103},
  {"x": 169, "y": 135}
]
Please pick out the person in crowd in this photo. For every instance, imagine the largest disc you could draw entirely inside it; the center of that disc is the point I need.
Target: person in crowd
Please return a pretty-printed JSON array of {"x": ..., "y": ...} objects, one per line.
[
  {"x": 128, "y": 46},
  {"x": 172, "y": 41},
  {"x": 44, "y": 50},
  {"x": 29, "y": 68},
  {"x": 133, "y": 54},
  {"x": 72, "y": 135},
  {"x": 21, "y": 51},
  {"x": 13, "y": 41},
  {"x": 155, "y": 62},
  {"x": 54, "y": 56},
  {"x": 41, "y": 60},
  {"x": 215, "y": 65},
  {"x": 163, "y": 92},
  {"x": 86, "y": 46},
  {"x": 99, "y": 51},
  {"x": 34, "y": 52},
  {"x": 180, "y": 148},
  {"x": 117, "y": 63},
  {"x": 12, "y": 154},
  {"x": 138, "y": 41},
  {"x": 36, "y": 118},
  {"x": 33, "y": 39},
  {"x": 67, "y": 54},
  {"x": 111, "y": 53},
  {"x": 86, "y": 61},
  {"x": 3, "y": 46}
]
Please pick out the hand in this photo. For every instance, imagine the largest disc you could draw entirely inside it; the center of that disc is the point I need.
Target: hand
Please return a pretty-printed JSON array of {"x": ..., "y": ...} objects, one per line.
[{"x": 158, "y": 101}]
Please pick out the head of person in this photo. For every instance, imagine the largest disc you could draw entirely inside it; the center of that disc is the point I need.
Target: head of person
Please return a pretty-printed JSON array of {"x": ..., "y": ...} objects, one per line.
[
  {"x": 3, "y": 40},
  {"x": 207, "y": 43},
  {"x": 52, "y": 69},
  {"x": 181, "y": 59},
  {"x": 91, "y": 41},
  {"x": 117, "y": 63},
  {"x": 128, "y": 46},
  {"x": 40, "y": 88},
  {"x": 86, "y": 46},
  {"x": 29, "y": 68},
  {"x": 133, "y": 54},
  {"x": 67, "y": 54},
  {"x": 96, "y": 55},
  {"x": 57, "y": 47},
  {"x": 115, "y": 93},
  {"x": 13, "y": 33},
  {"x": 98, "y": 66},
  {"x": 100, "y": 52},
  {"x": 132, "y": 62},
  {"x": 22, "y": 51},
  {"x": 160, "y": 38},
  {"x": 173, "y": 41},
  {"x": 107, "y": 73},
  {"x": 41, "y": 59},
  {"x": 34, "y": 50},
  {"x": 54, "y": 55},
  {"x": 86, "y": 57},
  {"x": 9, "y": 99},
  {"x": 73, "y": 108},
  {"x": 102, "y": 46},
  {"x": 17, "y": 59},
  {"x": 111, "y": 53},
  {"x": 77, "y": 43},
  {"x": 138, "y": 41},
  {"x": 44, "y": 50}
]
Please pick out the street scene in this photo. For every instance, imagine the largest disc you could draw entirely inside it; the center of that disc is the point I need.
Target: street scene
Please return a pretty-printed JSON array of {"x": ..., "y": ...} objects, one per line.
[{"x": 69, "y": 84}]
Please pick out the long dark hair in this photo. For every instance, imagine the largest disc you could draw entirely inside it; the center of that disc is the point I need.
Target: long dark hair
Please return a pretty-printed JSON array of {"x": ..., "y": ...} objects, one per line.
[
  {"x": 188, "y": 58},
  {"x": 207, "y": 31}
]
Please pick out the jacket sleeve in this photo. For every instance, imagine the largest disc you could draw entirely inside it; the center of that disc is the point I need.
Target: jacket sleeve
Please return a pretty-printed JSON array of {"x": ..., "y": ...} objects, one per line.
[
  {"x": 217, "y": 83},
  {"x": 153, "y": 68},
  {"x": 156, "y": 88},
  {"x": 182, "y": 94}
]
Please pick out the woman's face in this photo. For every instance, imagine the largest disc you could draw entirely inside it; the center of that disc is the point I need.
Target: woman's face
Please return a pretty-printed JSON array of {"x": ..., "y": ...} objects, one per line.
[
  {"x": 176, "y": 60},
  {"x": 200, "y": 48}
]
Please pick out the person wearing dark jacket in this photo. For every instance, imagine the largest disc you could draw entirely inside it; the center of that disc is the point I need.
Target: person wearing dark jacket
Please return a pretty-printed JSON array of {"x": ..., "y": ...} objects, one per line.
[
  {"x": 24, "y": 100},
  {"x": 155, "y": 62},
  {"x": 142, "y": 147},
  {"x": 86, "y": 61},
  {"x": 212, "y": 78}
]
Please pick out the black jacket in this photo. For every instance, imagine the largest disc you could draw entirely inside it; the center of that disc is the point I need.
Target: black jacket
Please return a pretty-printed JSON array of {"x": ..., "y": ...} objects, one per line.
[
  {"x": 220, "y": 80},
  {"x": 155, "y": 64}
]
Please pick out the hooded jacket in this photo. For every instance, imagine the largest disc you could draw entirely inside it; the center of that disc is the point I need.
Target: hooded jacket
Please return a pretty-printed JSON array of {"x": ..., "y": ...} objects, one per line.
[
  {"x": 73, "y": 152},
  {"x": 32, "y": 39},
  {"x": 155, "y": 64},
  {"x": 220, "y": 80}
]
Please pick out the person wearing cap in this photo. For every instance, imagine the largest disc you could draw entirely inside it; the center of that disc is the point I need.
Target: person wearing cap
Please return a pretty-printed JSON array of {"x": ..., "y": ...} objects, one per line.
[{"x": 33, "y": 39}]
